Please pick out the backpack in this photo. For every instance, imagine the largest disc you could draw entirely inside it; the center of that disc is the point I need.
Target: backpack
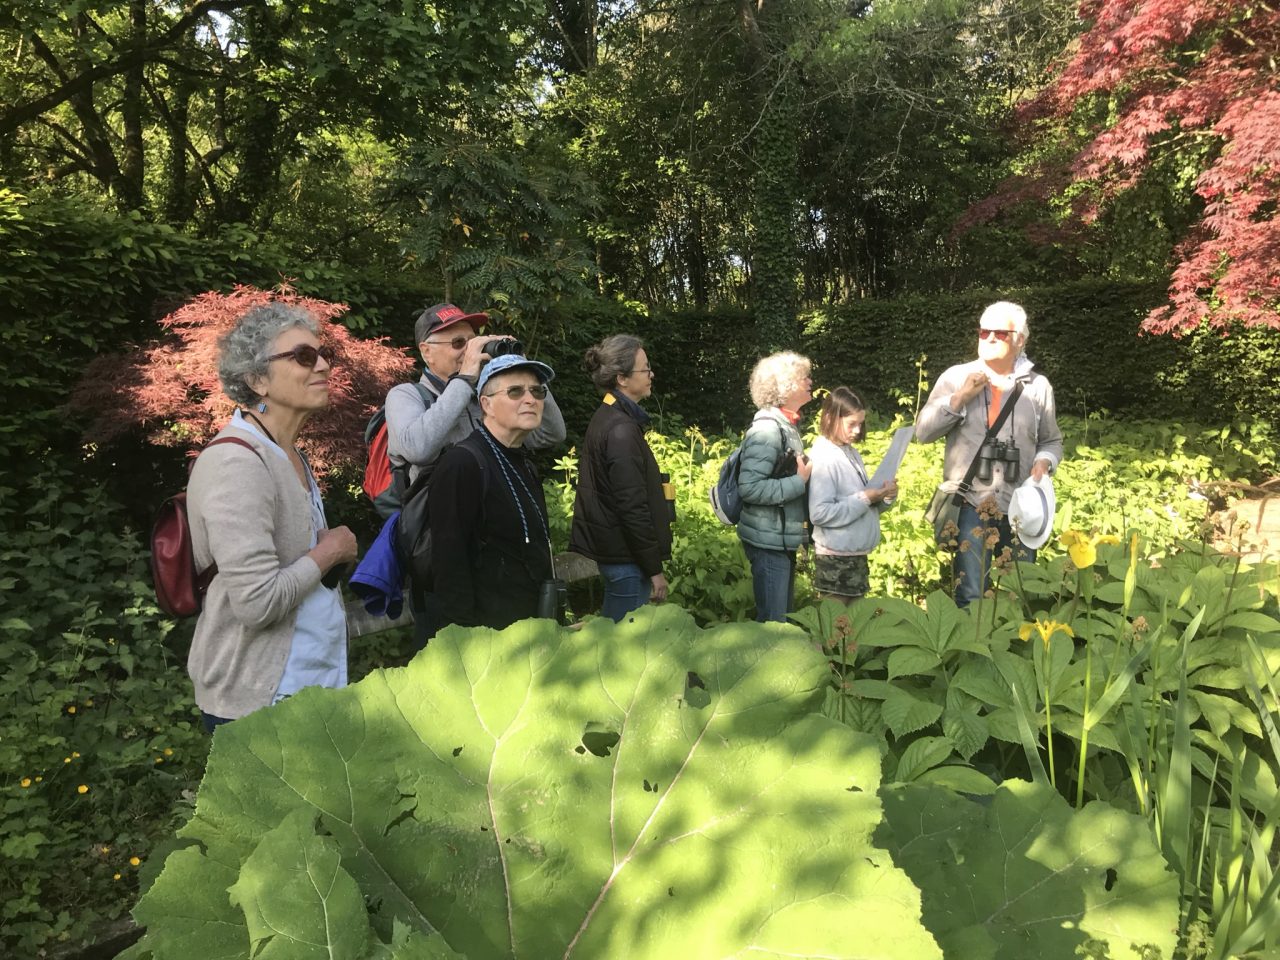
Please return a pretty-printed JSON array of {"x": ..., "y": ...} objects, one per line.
[
  {"x": 726, "y": 499},
  {"x": 180, "y": 589},
  {"x": 385, "y": 483},
  {"x": 413, "y": 528}
]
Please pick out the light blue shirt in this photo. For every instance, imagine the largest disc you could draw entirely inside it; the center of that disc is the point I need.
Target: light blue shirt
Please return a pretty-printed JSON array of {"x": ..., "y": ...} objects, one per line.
[{"x": 318, "y": 653}]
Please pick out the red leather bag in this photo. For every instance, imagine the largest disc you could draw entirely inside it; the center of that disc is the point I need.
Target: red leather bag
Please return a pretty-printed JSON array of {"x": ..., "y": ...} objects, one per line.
[{"x": 180, "y": 588}]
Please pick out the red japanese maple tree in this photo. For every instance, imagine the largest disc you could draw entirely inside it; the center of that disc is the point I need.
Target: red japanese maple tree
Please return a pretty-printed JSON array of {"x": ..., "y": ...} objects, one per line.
[
  {"x": 1195, "y": 77},
  {"x": 170, "y": 388}
]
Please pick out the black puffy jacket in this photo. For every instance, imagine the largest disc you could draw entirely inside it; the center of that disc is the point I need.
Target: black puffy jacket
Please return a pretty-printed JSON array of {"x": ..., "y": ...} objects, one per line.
[{"x": 622, "y": 513}]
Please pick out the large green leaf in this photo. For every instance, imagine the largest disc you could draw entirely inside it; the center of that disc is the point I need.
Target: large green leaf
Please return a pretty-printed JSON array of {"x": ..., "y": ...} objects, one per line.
[
  {"x": 643, "y": 790},
  {"x": 1027, "y": 876}
]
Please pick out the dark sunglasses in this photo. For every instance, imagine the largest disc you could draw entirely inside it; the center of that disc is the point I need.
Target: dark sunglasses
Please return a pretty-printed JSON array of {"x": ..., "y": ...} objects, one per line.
[
  {"x": 457, "y": 342},
  {"x": 305, "y": 355},
  {"x": 985, "y": 334},
  {"x": 516, "y": 392}
]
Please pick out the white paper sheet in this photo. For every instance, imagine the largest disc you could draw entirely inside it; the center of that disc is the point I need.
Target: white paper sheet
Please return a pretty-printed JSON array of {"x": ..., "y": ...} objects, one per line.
[{"x": 893, "y": 457}]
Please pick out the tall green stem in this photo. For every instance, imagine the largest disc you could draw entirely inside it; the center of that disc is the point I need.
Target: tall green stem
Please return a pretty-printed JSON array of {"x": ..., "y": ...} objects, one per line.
[
  {"x": 1084, "y": 723},
  {"x": 1048, "y": 724}
]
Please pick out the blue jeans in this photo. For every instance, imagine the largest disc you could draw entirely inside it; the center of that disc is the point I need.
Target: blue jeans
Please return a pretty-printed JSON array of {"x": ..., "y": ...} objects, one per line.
[
  {"x": 773, "y": 577},
  {"x": 626, "y": 588},
  {"x": 973, "y": 563}
]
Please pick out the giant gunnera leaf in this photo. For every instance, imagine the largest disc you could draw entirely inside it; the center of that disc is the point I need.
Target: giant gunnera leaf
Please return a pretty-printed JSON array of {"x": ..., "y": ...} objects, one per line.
[
  {"x": 1024, "y": 875},
  {"x": 641, "y": 790}
]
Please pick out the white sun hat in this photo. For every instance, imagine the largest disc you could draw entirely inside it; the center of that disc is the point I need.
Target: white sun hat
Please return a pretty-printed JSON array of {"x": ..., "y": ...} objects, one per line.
[{"x": 1031, "y": 512}]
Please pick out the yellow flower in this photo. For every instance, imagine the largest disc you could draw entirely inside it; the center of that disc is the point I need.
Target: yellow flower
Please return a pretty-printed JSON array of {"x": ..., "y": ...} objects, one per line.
[
  {"x": 168, "y": 751},
  {"x": 1084, "y": 548},
  {"x": 26, "y": 782},
  {"x": 71, "y": 709},
  {"x": 1046, "y": 630},
  {"x": 159, "y": 760},
  {"x": 38, "y": 779},
  {"x": 104, "y": 849},
  {"x": 75, "y": 754},
  {"x": 66, "y": 759},
  {"x": 83, "y": 788},
  {"x": 134, "y": 861},
  {"x": 88, "y": 703},
  {"x": 115, "y": 877}
]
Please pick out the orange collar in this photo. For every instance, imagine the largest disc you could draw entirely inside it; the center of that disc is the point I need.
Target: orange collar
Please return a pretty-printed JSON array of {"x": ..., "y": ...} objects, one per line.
[{"x": 792, "y": 415}]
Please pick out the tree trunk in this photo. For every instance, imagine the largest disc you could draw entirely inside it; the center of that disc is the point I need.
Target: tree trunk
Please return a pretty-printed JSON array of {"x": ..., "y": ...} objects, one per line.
[{"x": 132, "y": 156}]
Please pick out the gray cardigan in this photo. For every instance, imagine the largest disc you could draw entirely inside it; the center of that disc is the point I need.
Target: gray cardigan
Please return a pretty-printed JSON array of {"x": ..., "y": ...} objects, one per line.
[
  {"x": 773, "y": 508},
  {"x": 843, "y": 521},
  {"x": 418, "y": 432},
  {"x": 252, "y": 516}
]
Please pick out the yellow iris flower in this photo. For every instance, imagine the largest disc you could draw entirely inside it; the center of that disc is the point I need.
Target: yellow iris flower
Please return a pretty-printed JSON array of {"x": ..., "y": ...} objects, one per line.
[
  {"x": 1083, "y": 548},
  {"x": 1045, "y": 628}
]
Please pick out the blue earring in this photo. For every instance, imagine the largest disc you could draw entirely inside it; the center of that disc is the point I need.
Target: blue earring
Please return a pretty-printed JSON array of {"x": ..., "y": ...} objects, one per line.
[{"x": 262, "y": 406}]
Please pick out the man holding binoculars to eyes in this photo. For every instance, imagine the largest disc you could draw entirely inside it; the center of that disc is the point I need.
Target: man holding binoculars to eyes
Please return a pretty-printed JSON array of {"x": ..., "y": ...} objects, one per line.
[
  {"x": 443, "y": 408},
  {"x": 999, "y": 452}
]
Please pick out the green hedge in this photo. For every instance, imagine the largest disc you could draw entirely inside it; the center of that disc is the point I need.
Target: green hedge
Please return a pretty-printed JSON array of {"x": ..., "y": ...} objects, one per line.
[{"x": 1084, "y": 338}]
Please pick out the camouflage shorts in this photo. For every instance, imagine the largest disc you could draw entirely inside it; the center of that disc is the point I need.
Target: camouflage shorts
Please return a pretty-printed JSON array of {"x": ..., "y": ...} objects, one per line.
[{"x": 841, "y": 576}]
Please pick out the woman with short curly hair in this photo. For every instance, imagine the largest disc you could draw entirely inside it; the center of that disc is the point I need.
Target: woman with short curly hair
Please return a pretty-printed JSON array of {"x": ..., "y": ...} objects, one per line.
[
  {"x": 771, "y": 480},
  {"x": 269, "y": 625}
]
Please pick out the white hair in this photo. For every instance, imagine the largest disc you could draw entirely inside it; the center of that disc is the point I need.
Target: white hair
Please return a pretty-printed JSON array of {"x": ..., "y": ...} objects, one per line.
[
  {"x": 1004, "y": 313},
  {"x": 776, "y": 377}
]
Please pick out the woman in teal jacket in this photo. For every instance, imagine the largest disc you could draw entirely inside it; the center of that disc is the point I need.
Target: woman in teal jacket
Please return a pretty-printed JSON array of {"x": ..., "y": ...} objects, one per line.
[{"x": 772, "y": 478}]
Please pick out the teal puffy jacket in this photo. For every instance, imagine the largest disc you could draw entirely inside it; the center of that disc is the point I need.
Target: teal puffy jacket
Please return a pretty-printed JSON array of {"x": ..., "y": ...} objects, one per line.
[{"x": 774, "y": 508}]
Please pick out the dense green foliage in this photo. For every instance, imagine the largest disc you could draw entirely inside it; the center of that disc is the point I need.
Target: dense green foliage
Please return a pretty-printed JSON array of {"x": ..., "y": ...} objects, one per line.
[{"x": 98, "y": 738}]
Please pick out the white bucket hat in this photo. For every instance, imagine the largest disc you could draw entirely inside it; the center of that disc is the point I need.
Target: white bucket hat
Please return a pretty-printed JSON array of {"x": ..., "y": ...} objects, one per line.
[{"x": 1031, "y": 512}]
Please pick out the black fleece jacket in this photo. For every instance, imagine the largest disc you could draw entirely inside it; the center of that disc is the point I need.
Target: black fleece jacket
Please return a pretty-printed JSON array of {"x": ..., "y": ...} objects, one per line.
[
  {"x": 620, "y": 513},
  {"x": 485, "y": 572}
]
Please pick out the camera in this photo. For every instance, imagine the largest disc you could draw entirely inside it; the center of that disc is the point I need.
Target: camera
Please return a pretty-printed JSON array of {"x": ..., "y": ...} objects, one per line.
[
  {"x": 500, "y": 348},
  {"x": 1005, "y": 454}
]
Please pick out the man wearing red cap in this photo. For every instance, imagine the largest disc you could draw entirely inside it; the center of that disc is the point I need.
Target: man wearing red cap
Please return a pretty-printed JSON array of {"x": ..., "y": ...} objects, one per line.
[{"x": 452, "y": 352}]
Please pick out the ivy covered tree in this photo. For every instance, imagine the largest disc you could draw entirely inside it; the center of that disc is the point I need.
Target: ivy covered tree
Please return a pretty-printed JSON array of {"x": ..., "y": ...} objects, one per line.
[{"x": 1186, "y": 93}]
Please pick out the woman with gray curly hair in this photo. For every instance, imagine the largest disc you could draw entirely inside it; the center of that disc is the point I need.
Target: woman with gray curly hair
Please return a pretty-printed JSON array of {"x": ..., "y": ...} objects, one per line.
[
  {"x": 272, "y": 622},
  {"x": 771, "y": 480}
]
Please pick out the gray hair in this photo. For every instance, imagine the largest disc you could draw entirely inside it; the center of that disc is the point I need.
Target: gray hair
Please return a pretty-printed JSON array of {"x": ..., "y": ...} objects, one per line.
[
  {"x": 776, "y": 377},
  {"x": 243, "y": 350},
  {"x": 610, "y": 358},
  {"x": 1005, "y": 312}
]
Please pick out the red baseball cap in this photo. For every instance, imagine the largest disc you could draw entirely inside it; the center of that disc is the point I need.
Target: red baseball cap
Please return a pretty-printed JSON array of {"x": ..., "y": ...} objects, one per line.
[{"x": 444, "y": 315}]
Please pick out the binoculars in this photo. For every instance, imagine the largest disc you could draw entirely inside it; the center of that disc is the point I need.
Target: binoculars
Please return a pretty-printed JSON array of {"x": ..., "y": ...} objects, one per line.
[
  {"x": 500, "y": 348},
  {"x": 1005, "y": 454}
]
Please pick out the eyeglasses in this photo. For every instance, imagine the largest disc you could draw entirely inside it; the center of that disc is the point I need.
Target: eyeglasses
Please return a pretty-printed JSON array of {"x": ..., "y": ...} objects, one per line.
[
  {"x": 648, "y": 370},
  {"x": 517, "y": 391},
  {"x": 305, "y": 355},
  {"x": 457, "y": 342},
  {"x": 985, "y": 334}
]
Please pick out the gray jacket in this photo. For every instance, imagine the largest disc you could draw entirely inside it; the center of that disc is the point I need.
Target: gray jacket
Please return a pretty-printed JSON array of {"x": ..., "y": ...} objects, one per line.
[
  {"x": 842, "y": 519},
  {"x": 773, "y": 508},
  {"x": 417, "y": 432},
  {"x": 1032, "y": 426}
]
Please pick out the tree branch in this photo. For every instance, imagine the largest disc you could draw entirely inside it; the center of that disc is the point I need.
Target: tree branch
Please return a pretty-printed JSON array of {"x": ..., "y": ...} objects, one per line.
[{"x": 15, "y": 117}]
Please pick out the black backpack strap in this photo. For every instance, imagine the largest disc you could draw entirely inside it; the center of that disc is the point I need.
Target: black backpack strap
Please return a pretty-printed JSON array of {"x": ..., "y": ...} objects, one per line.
[{"x": 992, "y": 431}]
